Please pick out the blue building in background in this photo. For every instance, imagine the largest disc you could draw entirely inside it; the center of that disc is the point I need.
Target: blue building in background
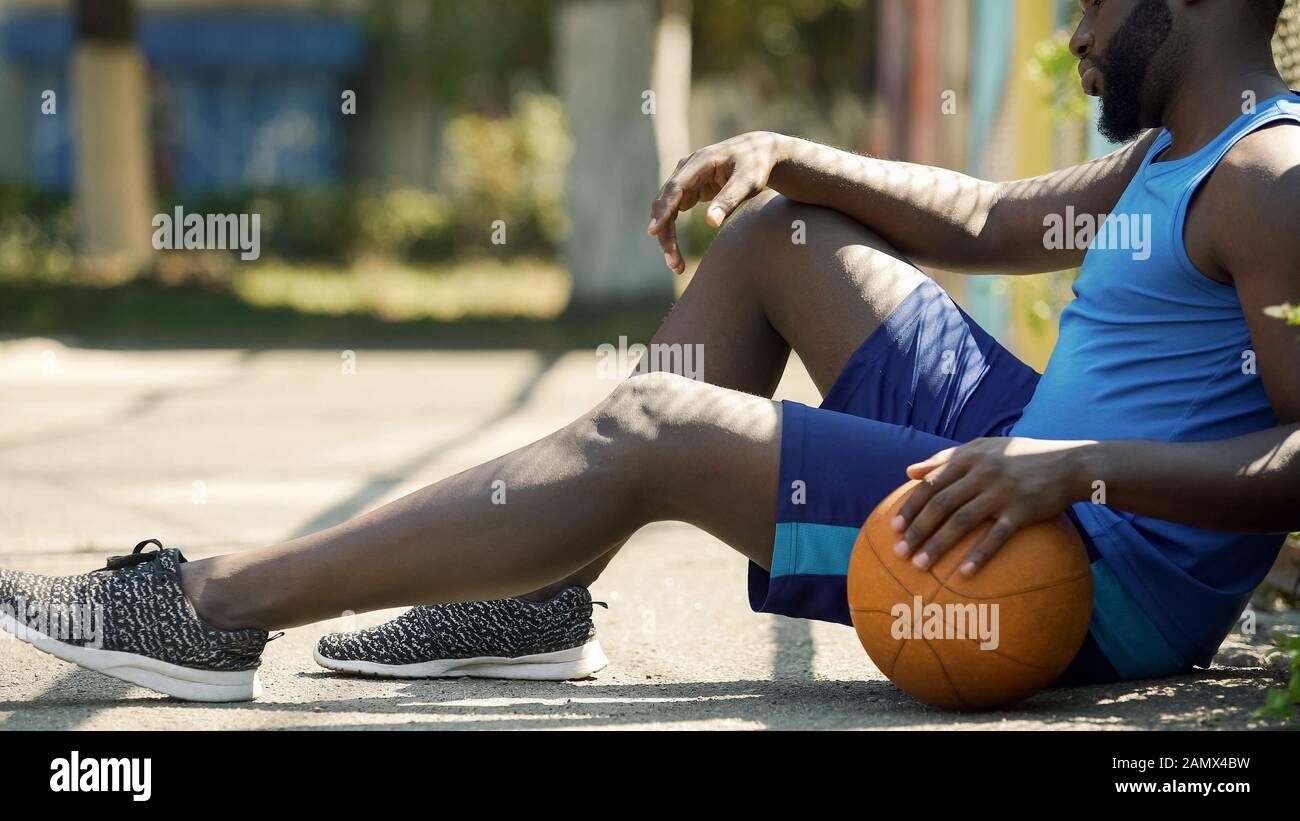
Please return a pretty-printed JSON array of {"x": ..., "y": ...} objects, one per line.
[{"x": 239, "y": 100}]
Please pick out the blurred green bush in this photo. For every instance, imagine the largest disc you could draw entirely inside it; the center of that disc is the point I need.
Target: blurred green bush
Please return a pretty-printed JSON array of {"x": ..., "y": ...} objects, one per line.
[
  {"x": 36, "y": 235},
  {"x": 494, "y": 168},
  {"x": 1057, "y": 69},
  {"x": 509, "y": 167},
  {"x": 1290, "y": 314},
  {"x": 297, "y": 223},
  {"x": 404, "y": 224}
]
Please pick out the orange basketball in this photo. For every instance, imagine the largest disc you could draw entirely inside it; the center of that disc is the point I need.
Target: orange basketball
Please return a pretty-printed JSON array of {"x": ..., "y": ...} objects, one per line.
[{"x": 971, "y": 643}]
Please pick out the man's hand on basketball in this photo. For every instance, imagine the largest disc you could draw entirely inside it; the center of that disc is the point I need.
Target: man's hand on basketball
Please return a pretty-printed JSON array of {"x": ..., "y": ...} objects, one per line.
[
  {"x": 1010, "y": 481},
  {"x": 725, "y": 174}
]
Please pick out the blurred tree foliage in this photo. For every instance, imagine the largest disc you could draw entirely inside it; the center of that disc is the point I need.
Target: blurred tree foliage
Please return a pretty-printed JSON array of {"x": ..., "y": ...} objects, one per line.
[
  {"x": 507, "y": 168},
  {"x": 1286, "y": 46},
  {"x": 813, "y": 47},
  {"x": 1288, "y": 313},
  {"x": 1057, "y": 69},
  {"x": 471, "y": 56},
  {"x": 511, "y": 169},
  {"x": 490, "y": 66},
  {"x": 36, "y": 235},
  {"x": 477, "y": 55}
]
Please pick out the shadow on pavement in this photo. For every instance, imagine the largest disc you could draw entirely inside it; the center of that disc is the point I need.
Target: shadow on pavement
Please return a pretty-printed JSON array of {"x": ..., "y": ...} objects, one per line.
[{"x": 781, "y": 704}]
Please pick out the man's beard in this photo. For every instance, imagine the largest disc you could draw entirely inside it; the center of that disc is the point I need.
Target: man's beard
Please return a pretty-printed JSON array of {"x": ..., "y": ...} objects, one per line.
[{"x": 1125, "y": 65}]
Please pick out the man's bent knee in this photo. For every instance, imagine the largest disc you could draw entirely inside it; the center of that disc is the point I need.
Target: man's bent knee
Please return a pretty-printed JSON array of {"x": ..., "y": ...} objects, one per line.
[
  {"x": 641, "y": 407},
  {"x": 624, "y": 436},
  {"x": 768, "y": 218},
  {"x": 771, "y": 227},
  {"x": 658, "y": 433}
]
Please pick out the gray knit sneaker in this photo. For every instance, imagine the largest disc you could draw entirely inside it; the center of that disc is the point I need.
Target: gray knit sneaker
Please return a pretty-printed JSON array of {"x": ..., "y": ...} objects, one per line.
[
  {"x": 132, "y": 621},
  {"x": 552, "y": 640}
]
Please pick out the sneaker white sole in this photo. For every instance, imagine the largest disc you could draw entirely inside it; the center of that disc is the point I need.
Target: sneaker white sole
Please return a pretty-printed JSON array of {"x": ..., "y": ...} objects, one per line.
[
  {"x": 170, "y": 679},
  {"x": 562, "y": 665}
]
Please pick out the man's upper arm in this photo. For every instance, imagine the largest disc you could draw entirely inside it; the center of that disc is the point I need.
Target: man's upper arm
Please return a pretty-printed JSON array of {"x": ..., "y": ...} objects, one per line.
[
  {"x": 1254, "y": 199},
  {"x": 1016, "y": 226}
]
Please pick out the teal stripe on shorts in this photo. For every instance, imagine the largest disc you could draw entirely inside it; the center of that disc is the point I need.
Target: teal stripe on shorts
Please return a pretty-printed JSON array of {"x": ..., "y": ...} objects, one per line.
[{"x": 1125, "y": 634}]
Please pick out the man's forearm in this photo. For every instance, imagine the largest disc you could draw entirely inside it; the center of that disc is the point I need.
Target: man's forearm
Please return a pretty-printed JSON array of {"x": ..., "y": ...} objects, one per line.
[
  {"x": 1250, "y": 484},
  {"x": 934, "y": 216}
]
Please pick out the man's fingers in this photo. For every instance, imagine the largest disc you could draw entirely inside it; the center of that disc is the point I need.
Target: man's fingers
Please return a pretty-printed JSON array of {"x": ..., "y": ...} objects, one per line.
[
  {"x": 941, "y": 502},
  {"x": 733, "y": 193},
  {"x": 685, "y": 179},
  {"x": 664, "y": 208},
  {"x": 667, "y": 237},
  {"x": 937, "y": 477},
  {"x": 1003, "y": 529},
  {"x": 692, "y": 182},
  {"x": 961, "y": 522},
  {"x": 690, "y": 197},
  {"x": 921, "y": 469},
  {"x": 663, "y": 225}
]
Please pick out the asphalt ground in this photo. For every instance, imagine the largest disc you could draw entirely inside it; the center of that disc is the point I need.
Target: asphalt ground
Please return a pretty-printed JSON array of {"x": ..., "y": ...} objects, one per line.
[{"x": 223, "y": 450}]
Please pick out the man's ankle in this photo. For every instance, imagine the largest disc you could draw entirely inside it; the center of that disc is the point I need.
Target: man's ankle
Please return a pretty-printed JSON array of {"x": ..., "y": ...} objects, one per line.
[
  {"x": 549, "y": 592},
  {"x": 203, "y": 591}
]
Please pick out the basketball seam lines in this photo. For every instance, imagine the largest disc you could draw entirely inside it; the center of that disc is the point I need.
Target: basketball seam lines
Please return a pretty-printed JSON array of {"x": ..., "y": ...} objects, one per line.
[
  {"x": 876, "y": 555},
  {"x": 894, "y": 661},
  {"x": 943, "y": 583},
  {"x": 1015, "y": 660},
  {"x": 942, "y": 669},
  {"x": 995, "y": 652},
  {"x": 944, "y": 587}
]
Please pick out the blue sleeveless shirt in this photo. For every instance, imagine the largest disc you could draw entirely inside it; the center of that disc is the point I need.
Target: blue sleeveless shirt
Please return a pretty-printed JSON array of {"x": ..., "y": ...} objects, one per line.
[{"x": 1153, "y": 349}]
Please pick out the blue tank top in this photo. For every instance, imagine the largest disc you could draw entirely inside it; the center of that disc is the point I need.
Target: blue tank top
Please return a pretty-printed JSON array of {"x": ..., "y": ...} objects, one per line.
[{"x": 1153, "y": 349}]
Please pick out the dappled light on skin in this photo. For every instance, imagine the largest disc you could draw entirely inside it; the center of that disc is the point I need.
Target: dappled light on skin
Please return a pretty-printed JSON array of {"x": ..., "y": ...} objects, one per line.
[
  {"x": 1273, "y": 457},
  {"x": 974, "y": 215}
]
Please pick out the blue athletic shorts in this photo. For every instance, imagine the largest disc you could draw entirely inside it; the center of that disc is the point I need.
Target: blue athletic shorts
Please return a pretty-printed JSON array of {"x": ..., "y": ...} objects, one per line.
[{"x": 927, "y": 379}]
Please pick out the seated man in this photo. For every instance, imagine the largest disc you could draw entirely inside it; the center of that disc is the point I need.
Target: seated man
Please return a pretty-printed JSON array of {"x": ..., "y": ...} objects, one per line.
[{"x": 1167, "y": 426}]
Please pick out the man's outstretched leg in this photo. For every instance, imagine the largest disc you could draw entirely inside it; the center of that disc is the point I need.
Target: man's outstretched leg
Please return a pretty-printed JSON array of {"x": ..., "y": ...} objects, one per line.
[
  {"x": 659, "y": 448},
  {"x": 759, "y": 294}
]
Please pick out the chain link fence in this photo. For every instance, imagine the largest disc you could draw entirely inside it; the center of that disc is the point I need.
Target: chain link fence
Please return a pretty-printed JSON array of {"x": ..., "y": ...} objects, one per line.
[{"x": 1287, "y": 44}]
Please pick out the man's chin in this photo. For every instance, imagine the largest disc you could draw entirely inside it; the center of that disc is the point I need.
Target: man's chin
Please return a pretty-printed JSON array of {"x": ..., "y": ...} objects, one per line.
[
  {"x": 1118, "y": 127},
  {"x": 1118, "y": 135}
]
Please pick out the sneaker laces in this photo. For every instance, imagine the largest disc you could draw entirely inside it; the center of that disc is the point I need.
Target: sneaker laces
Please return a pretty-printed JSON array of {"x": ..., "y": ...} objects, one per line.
[{"x": 136, "y": 557}]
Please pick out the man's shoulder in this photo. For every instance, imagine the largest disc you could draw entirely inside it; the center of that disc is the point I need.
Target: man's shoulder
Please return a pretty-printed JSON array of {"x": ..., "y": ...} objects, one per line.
[
  {"x": 1263, "y": 164},
  {"x": 1252, "y": 200},
  {"x": 1258, "y": 179}
]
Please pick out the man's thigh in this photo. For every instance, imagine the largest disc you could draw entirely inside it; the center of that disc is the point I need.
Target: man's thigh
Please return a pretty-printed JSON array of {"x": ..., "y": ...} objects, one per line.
[
  {"x": 932, "y": 368},
  {"x": 880, "y": 338},
  {"x": 825, "y": 282},
  {"x": 832, "y": 282}
]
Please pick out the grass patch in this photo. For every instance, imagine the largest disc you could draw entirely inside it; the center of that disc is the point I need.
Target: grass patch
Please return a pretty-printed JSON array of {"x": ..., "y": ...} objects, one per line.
[
  {"x": 484, "y": 289},
  {"x": 276, "y": 305}
]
